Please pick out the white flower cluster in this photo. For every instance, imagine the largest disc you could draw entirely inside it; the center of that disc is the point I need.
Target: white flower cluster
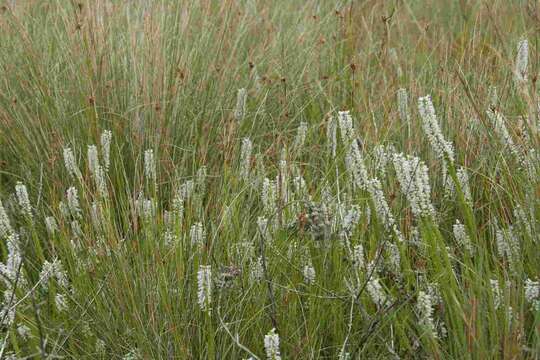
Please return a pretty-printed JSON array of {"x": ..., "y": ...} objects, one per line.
[
  {"x": 309, "y": 273},
  {"x": 51, "y": 225},
  {"x": 71, "y": 164},
  {"x": 424, "y": 306},
  {"x": 96, "y": 170},
  {"x": 508, "y": 245},
  {"x": 256, "y": 270},
  {"x": 11, "y": 274},
  {"x": 23, "y": 199},
  {"x": 73, "y": 202},
  {"x": 271, "y": 345},
  {"x": 106, "y": 137},
  {"x": 350, "y": 220},
  {"x": 394, "y": 258},
  {"x": 354, "y": 160},
  {"x": 402, "y": 100},
  {"x": 358, "y": 256},
  {"x": 496, "y": 291},
  {"x": 269, "y": 196},
  {"x": 412, "y": 174},
  {"x": 204, "y": 285},
  {"x": 240, "y": 109},
  {"x": 382, "y": 209},
  {"x": 197, "y": 235},
  {"x": 522, "y": 60},
  {"x": 499, "y": 122},
  {"x": 5, "y": 225},
  {"x": 382, "y": 157},
  {"x": 149, "y": 164},
  {"x": 376, "y": 291},
  {"x": 300, "y": 136},
  {"x": 53, "y": 270},
  {"x": 532, "y": 294},
  {"x": 443, "y": 148},
  {"x": 331, "y": 135},
  {"x": 245, "y": 158},
  {"x": 462, "y": 238}
]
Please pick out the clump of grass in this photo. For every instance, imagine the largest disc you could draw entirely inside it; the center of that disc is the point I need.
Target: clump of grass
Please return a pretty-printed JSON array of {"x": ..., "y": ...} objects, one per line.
[{"x": 248, "y": 180}]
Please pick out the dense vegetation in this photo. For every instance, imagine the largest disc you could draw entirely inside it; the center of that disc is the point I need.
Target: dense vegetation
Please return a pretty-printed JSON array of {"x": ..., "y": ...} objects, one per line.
[{"x": 269, "y": 179}]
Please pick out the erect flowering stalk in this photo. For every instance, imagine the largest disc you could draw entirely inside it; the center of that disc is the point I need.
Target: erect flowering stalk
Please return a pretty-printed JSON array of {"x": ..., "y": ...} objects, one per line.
[
  {"x": 346, "y": 127},
  {"x": 269, "y": 196},
  {"x": 532, "y": 294},
  {"x": 96, "y": 170},
  {"x": 376, "y": 291},
  {"x": 149, "y": 165},
  {"x": 262, "y": 225},
  {"x": 204, "y": 285},
  {"x": 508, "y": 246},
  {"x": 349, "y": 221},
  {"x": 424, "y": 306},
  {"x": 300, "y": 136},
  {"x": 358, "y": 257},
  {"x": 412, "y": 174},
  {"x": 354, "y": 160},
  {"x": 403, "y": 107},
  {"x": 382, "y": 209},
  {"x": 197, "y": 235},
  {"x": 106, "y": 137},
  {"x": 381, "y": 158},
  {"x": 53, "y": 270},
  {"x": 496, "y": 291},
  {"x": 356, "y": 167},
  {"x": 331, "y": 134},
  {"x": 271, "y": 345},
  {"x": 499, "y": 122},
  {"x": 460, "y": 233},
  {"x": 463, "y": 179},
  {"x": 71, "y": 164},
  {"x": 309, "y": 272},
  {"x": 93, "y": 161},
  {"x": 522, "y": 61},
  {"x": 200, "y": 180},
  {"x": 61, "y": 302},
  {"x": 23, "y": 199},
  {"x": 5, "y": 225},
  {"x": 394, "y": 258},
  {"x": 245, "y": 158},
  {"x": 282, "y": 178},
  {"x": 50, "y": 224},
  {"x": 443, "y": 148},
  {"x": 240, "y": 109},
  {"x": 393, "y": 56},
  {"x": 73, "y": 202},
  {"x": 12, "y": 277},
  {"x": 10, "y": 270},
  {"x": 256, "y": 271}
]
